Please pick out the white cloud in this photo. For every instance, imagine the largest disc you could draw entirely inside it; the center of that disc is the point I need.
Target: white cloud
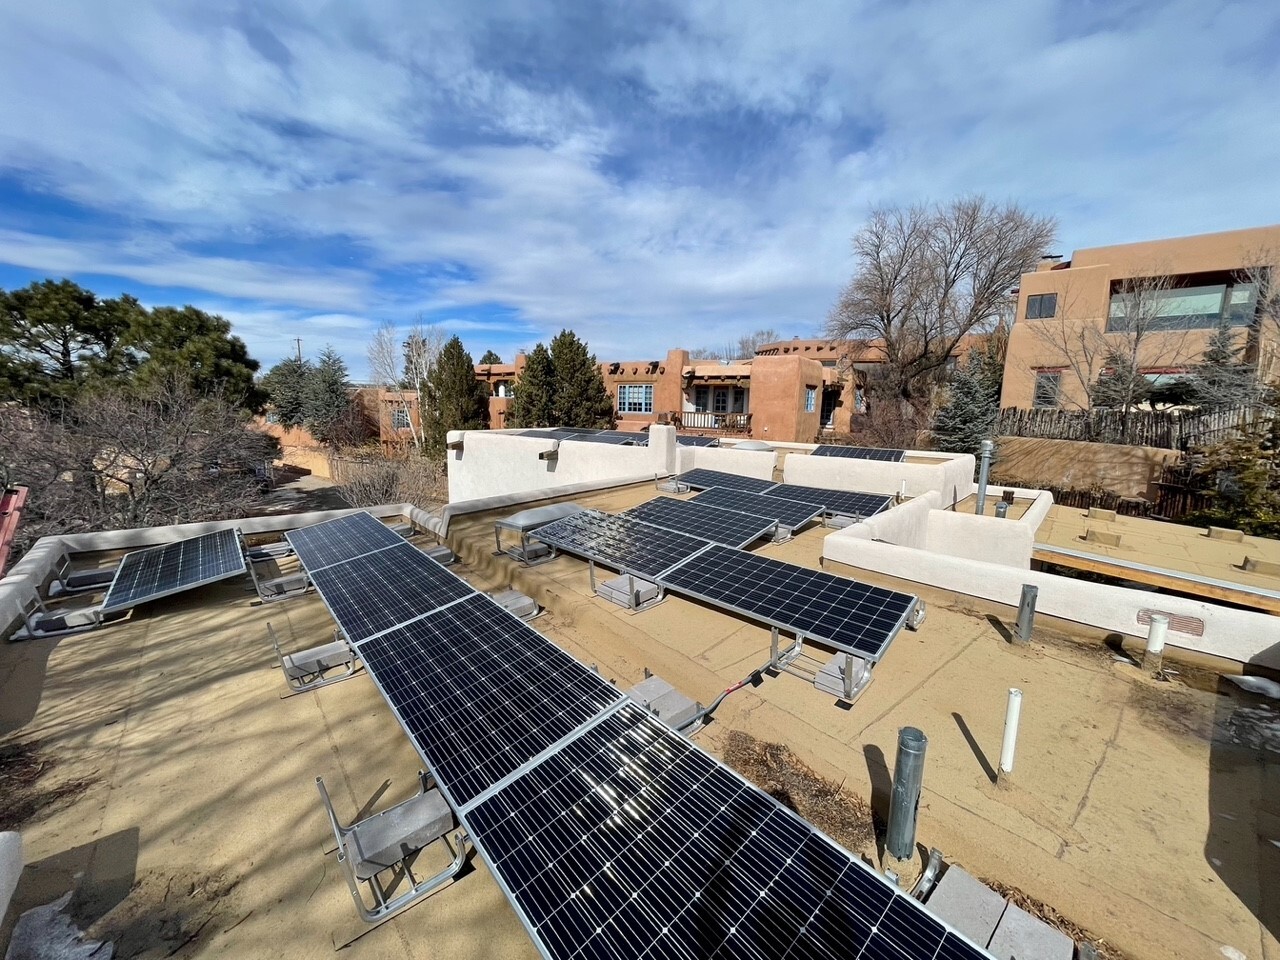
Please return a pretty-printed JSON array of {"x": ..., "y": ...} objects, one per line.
[{"x": 651, "y": 182}]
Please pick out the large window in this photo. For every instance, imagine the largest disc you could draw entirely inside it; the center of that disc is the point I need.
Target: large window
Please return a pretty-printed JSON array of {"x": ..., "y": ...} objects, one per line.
[
  {"x": 810, "y": 399},
  {"x": 1048, "y": 385},
  {"x": 635, "y": 398},
  {"x": 1181, "y": 308},
  {"x": 720, "y": 399},
  {"x": 1042, "y": 306},
  {"x": 400, "y": 418}
]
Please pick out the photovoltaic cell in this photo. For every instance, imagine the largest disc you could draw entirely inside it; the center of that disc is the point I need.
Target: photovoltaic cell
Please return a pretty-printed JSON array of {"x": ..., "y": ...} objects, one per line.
[
  {"x": 844, "y": 613},
  {"x": 789, "y": 513},
  {"x": 697, "y": 441},
  {"x": 369, "y": 594},
  {"x": 703, "y": 520},
  {"x": 480, "y": 693},
  {"x": 159, "y": 571},
  {"x": 342, "y": 538},
  {"x": 629, "y": 841},
  {"x": 700, "y": 479},
  {"x": 843, "y": 502},
  {"x": 860, "y": 453},
  {"x": 620, "y": 542}
]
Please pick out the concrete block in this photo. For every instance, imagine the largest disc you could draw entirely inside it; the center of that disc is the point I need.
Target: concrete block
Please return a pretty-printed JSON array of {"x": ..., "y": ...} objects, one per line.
[
  {"x": 1269, "y": 568},
  {"x": 1020, "y": 936},
  {"x": 441, "y": 555},
  {"x": 1102, "y": 537},
  {"x": 670, "y": 705},
  {"x": 513, "y": 601},
  {"x": 830, "y": 678},
  {"x": 627, "y": 591},
  {"x": 10, "y": 867},
  {"x": 1097, "y": 513},
  {"x": 967, "y": 904},
  {"x": 1227, "y": 534}
]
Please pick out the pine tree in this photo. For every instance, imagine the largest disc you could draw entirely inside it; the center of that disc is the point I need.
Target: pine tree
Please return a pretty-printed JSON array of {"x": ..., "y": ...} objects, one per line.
[
  {"x": 458, "y": 400},
  {"x": 534, "y": 402},
  {"x": 1119, "y": 386},
  {"x": 327, "y": 405},
  {"x": 581, "y": 399},
  {"x": 286, "y": 385},
  {"x": 973, "y": 401},
  {"x": 1222, "y": 380},
  {"x": 489, "y": 357}
]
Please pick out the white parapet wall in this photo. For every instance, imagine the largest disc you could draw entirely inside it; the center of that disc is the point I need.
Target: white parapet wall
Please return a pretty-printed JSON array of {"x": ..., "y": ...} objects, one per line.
[
  {"x": 492, "y": 463},
  {"x": 747, "y": 463},
  {"x": 1239, "y": 635},
  {"x": 951, "y": 475}
]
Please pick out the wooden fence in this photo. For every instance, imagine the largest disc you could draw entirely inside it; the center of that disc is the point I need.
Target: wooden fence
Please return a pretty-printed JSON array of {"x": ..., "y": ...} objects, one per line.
[{"x": 1172, "y": 431}]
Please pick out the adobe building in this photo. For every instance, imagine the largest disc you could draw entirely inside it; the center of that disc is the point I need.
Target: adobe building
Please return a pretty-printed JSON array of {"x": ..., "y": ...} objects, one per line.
[{"x": 1070, "y": 314}]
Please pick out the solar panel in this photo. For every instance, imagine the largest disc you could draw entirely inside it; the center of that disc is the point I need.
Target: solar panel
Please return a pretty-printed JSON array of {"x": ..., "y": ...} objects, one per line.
[
  {"x": 630, "y": 841},
  {"x": 703, "y": 520},
  {"x": 623, "y": 543},
  {"x": 860, "y": 453},
  {"x": 789, "y": 513},
  {"x": 323, "y": 544},
  {"x": 613, "y": 438},
  {"x": 843, "y": 613},
  {"x": 697, "y": 441},
  {"x": 369, "y": 594},
  {"x": 843, "y": 502},
  {"x": 160, "y": 571},
  {"x": 700, "y": 479},
  {"x": 480, "y": 693}
]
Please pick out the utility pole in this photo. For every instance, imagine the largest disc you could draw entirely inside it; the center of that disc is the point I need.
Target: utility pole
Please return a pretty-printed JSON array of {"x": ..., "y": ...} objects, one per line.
[{"x": 298, "y": 341}]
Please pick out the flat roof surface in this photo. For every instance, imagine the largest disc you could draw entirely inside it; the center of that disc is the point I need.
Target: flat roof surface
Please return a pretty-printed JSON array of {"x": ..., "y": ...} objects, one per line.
[
  {"x": 201, "y": 802},
  {"x": 1171, "y": 546}
]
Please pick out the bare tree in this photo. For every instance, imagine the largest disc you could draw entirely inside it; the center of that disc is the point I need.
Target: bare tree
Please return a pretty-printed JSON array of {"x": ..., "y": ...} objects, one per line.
[
  {"x": 120, "y": 458},
  {"x": 404, "y": 366},
  {"x": 367, "y": 480},
  {"x": 749, "y": 344},
  {"x": 926, "y": 277},
  {"x": 1262, "y": 270}
]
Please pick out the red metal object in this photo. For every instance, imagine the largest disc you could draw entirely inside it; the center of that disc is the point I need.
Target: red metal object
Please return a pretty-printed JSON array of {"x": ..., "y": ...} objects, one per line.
[{"x": 11, "y": 503}]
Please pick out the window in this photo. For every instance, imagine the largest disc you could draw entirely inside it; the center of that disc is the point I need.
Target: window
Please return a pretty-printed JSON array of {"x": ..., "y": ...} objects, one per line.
[
  {"x": 720, "y": 401},
  {"x": 810, "y": 399},
  {"x": 1048, "y": 384},
  {"x": 400, "y": 418},
  {"x": 1181, "y": 308},
  {"x": 635, "y": 398},
  {"x": 1042, "y": 306}
]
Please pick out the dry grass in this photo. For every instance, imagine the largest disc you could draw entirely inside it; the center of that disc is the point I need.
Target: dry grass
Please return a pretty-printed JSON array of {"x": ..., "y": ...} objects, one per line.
[
  {"x": 841, "y": 815},
  {"x": 22, "y": 797},
  {"x": 1105, "y": 950}
]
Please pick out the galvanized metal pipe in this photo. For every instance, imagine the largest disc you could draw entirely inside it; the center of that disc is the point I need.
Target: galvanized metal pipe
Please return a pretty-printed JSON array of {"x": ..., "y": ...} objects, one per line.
[
  {"x": 1026, "y": 613},
  {"x": 908, "y": 777},
  {"x": 986, "y": 449}
]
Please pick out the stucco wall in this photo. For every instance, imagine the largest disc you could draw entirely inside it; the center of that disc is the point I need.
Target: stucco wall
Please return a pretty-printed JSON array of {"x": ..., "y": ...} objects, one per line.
[
  {"x": 502, "y": 464},
  {"x": 952, "y": 476},
  {"x": 747, "y": 463},
  {"x": 1235, "y": 634}
]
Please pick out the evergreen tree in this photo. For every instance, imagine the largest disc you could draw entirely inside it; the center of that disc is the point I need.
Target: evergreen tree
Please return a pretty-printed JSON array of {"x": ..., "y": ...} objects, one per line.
[
  {"x": 326, "y": 404},
  {"x": 973, "y": 402},
  {"x": 197, "y": 347},
  {"x": 1222, "y": 380},
  {"x": 490, "y": 357},
  {"x": 1119, "y": 386},
  {"x": 534, "y": 402},
  {"x": 458, "y": 400},
  {"x": 287, "y": 385},
  {"x": 580, "y": 398}
]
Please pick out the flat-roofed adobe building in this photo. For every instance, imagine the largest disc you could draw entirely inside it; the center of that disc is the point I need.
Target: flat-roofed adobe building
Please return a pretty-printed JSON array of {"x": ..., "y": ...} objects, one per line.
[{"x": 1071, "y": 314}]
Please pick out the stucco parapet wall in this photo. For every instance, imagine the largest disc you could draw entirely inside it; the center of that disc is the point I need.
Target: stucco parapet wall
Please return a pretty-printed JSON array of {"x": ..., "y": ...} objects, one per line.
[
  {"x": 438, "y": 523},
  {"x": 951, "y": 475},
  {"x": 759, "y": 464},
  {"x": 1240, "y": 635}
]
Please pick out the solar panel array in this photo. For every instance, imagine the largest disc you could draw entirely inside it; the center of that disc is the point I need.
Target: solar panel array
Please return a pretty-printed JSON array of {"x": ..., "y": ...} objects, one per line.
[
  {"x": 701, "y": 478},
  {"x": 624, "y": 543},
  {"x": 860, "y": 453},
  {"x": 630, "y": 841},
  {"x": 789, "y": 513},
  {"x": 619, "y": 437},
  {"x": 848, "y": 615},
  {"x": 342, "y": 538},
  {"x": 697, "y": 441},
  {"x": 160, "y": 571},
  {"x": 842, "y": 502},
  {"x": 610, "y": 834},
  {"x": 730, "y": 527}
]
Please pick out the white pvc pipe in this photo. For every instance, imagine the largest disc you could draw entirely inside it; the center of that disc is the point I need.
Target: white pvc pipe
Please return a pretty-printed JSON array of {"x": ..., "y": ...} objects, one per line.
[
  {"x": 1011, "y": 716},
  {"x": 1155, "y": 636}
]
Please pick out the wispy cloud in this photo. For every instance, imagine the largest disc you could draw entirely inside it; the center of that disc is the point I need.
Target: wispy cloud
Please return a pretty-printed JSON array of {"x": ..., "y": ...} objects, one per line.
[{"x": 652, "y": 174}]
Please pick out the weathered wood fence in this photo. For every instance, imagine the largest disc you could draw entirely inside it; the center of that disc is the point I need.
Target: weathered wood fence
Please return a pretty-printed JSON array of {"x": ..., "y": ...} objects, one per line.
[{"x": 1170, "y": 430}]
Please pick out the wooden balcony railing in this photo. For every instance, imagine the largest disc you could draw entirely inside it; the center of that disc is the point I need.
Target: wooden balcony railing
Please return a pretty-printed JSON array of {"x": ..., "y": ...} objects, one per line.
[{"x": 726, "y": 423}]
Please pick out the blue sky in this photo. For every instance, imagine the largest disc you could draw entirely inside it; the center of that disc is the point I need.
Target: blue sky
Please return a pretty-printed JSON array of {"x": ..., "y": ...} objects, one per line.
[{"x": 649, "y": 174}]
